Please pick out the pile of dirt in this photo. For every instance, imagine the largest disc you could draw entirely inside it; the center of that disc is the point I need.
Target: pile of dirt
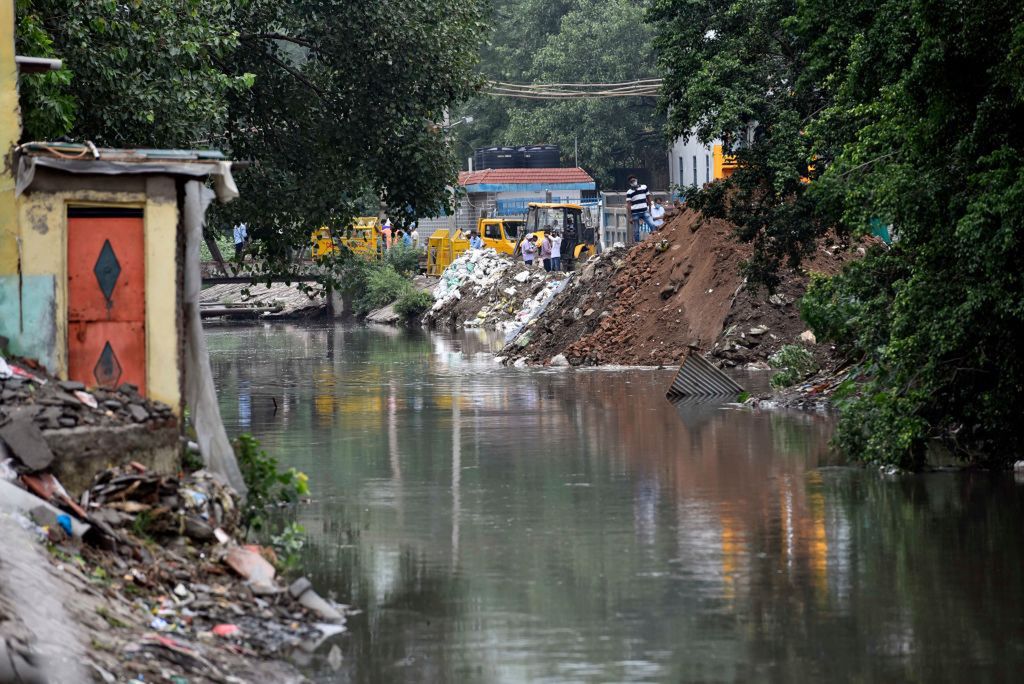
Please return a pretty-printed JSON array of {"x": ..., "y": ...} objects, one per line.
[
  {"x": 485, "y": 289},
  {"x": 760, "y": 322},
  {"x": 680, "y": 289}
]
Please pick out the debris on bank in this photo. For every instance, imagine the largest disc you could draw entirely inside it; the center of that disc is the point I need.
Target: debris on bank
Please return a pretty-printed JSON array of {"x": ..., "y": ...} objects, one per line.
[
  {"x": 814, "y": 393},
  {"x": 28, "y": 393},
  {"x": 279, "y": 301},
  {"x": 485, "y": 289},
  {"x": 179, "y": 593},
  {"x": 173, "y": 593},
  {"x": 679, "y": 290}
]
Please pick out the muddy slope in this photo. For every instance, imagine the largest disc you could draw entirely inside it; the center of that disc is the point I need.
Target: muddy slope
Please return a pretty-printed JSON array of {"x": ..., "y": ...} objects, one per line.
[{"x": 680, "y": 289}]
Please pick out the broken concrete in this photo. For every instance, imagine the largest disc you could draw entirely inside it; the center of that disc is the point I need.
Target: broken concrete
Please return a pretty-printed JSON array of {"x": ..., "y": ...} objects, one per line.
[{"x": 81, "y": 452}]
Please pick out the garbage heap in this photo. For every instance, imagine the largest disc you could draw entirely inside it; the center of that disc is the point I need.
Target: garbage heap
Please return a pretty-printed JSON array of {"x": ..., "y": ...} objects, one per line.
[
  {"x": 485, "y": 289},
  {"x": 160, "y": 557},
  {"x": 679, "y": 289},
  {"x": 181, "y": 594}
]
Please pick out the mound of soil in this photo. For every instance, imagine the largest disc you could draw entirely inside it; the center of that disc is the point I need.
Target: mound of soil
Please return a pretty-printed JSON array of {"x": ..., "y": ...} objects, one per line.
[{"x": 678, "y": 290}]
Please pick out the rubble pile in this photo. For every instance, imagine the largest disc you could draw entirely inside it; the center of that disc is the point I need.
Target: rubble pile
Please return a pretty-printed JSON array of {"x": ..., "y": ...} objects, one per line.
[
  {"x": 163, "y": 551},
  {"x": 29, "y": 393},
  {"x": 759, "y": 323},
  {"x": 680, "y": 289},
  {"x": 484, "y": 289},
  {"x": 160, "y": 557}
]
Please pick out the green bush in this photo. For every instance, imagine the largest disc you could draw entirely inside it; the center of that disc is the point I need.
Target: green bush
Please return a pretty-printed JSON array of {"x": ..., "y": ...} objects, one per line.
[
  {"x": 382, "y": 285},
  {"x": 405, "y": 260},
  {"x": 413, "y": 302},
  {"x": 267, "y": 484},
  {"x": 794, "y": 364}
]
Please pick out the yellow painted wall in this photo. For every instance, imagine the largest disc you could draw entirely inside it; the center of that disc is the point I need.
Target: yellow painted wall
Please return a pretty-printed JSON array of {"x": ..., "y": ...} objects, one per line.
[
  {"x": 162, "y": 305},
  {"x": 10, "y": 131},
  {"x": 43, "y": 220}
]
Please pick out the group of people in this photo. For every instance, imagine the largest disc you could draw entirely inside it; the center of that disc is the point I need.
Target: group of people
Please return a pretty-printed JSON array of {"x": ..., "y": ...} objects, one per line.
[
  {"x": 408, "y": 238},
  {"x": 549, "y": 250},
  {"x": 647, "y": 216}
]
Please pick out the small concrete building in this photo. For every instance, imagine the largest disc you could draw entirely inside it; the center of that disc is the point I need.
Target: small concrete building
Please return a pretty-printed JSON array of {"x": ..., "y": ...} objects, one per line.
[
  {"x": 91, "y": 276},
  {"x": 99, "y": 276}
]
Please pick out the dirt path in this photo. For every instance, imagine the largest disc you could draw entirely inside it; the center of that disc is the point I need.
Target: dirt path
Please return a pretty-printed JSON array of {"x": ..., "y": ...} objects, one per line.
[{"x": 33, "y": 611}]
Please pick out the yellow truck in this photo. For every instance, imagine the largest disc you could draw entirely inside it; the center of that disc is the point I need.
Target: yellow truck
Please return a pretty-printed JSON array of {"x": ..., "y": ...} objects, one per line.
[
  {"x": 500, "y": 234},
  {"x": 362, "y": 237}
]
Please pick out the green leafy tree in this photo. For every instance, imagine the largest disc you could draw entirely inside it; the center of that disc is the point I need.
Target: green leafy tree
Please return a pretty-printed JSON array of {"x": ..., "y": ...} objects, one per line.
[
  {"x": 593, "y": 41},
  {"x": 906, "y": 111},
  {"x": 143, "y": 74},
  {"x": 332, "y": 102}
]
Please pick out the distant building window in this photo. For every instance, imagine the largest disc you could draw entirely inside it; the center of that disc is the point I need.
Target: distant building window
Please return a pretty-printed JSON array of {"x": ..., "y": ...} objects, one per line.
[
  {"x": 694, "y": 170},
  {"x": 707, "y": 168},
  {"x": 682, "y": 180}
]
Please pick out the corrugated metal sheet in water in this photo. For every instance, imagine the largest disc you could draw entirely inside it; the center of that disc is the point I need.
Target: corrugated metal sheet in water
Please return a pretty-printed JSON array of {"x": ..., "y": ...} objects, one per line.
[{"x": 698, "y": 378}]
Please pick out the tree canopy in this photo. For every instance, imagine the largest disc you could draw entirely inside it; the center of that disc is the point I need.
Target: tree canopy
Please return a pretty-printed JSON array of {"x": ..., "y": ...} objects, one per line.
[
  {"x": 906, "y": 112},
  {"x": 593, "y": 41},
  {"x": 332, "y": 101}
]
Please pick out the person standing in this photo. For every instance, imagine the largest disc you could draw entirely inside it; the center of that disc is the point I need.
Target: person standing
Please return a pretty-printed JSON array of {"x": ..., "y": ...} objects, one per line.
[
  {"x": 658, "y": 214},
  {"x": 639, "y": 208},
  {"x": 475, "y": 241},
  {"x": 529, "y": 250},
  {"x": 241, "y": 234},
  {"x": 545, "y": 250},
  {"x": 415, "y": 235},
  {"x": 385, "y": 230},
  {"x": 556, "y": 251}
]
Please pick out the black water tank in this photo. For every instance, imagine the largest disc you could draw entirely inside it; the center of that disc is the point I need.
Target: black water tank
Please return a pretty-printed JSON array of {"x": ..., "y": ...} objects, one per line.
[
  {"x": 541, "y": 156},
  {"x": 496, "y": 158}
]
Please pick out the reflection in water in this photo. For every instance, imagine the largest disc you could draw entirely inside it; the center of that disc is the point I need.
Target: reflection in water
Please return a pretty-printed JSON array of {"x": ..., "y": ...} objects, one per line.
[{"x": 531, "y": 525}]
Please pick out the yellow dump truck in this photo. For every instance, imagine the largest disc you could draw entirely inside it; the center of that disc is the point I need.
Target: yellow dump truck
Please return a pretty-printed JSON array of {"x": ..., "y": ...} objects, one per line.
[
  {"x": 500, "y": 234},
  {"x": 362, "y": 237}
]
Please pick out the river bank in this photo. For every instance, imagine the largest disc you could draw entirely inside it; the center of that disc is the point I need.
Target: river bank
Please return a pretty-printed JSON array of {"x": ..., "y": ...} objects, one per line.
[{"x": 140, "y": 569}]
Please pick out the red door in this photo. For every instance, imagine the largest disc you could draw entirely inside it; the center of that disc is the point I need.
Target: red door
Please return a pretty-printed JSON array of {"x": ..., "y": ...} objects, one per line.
[{"x": 106, "y": 299}]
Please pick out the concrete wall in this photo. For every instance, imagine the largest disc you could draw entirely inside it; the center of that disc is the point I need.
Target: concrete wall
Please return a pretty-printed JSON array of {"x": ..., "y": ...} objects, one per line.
[{"x": 33, "y": 304}]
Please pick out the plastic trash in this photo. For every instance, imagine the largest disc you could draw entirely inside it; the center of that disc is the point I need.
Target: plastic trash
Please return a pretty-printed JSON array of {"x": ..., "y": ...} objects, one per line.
[
  {"x": 225, "y": 630},
  {"x": 251, "y": 566}
]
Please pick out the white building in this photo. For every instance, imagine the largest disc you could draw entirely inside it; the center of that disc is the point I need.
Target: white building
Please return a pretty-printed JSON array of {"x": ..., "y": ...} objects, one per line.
[{"x": 691, "y": 164}]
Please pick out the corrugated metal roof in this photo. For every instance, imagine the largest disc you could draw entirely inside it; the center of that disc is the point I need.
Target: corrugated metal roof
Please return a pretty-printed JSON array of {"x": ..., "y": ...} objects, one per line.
[
  {"x": 698, "y": 378},
  {"x": 89, "y": 152},
  {"x": 525, "y": 176}
]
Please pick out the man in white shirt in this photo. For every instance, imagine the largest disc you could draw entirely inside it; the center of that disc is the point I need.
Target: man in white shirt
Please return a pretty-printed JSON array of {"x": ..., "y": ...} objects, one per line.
[
  {"x": 556, "y": 251},
  {"x": 658, "y": 213}
]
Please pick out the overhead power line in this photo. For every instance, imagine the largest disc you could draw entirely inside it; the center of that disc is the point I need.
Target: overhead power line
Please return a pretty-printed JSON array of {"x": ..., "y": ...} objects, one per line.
[{"x": 645, "y": 87}]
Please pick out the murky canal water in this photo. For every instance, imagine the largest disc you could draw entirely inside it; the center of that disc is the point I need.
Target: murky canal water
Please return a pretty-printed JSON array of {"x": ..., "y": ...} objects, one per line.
[{"x": 501, "y": 525}]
